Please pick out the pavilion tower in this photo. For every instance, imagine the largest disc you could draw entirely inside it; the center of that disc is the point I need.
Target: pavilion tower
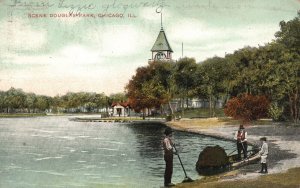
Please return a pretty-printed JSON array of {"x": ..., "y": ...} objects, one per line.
[{"x": 161, "y": 49}]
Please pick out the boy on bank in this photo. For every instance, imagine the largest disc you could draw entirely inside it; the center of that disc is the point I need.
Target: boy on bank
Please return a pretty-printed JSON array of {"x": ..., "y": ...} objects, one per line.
[
  {"x": 263, "y": 155},
  {"x": 168, "y": 156}
]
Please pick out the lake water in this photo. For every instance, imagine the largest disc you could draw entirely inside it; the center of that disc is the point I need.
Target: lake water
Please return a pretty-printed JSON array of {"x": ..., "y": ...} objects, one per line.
[{"x": 46, "y": 152}]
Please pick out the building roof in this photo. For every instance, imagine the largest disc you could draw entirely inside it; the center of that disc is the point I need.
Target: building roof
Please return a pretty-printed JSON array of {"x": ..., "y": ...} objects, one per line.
[
  {"x": 124, "y": 104},
  {"x": 161, "y": 43}
]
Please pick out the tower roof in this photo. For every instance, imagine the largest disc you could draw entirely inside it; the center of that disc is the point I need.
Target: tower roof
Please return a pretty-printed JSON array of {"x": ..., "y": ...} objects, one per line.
[{"x": 161, "y": 43}]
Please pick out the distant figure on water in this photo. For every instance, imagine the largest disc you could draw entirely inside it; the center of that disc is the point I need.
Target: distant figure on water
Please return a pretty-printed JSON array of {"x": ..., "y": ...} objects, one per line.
[
  {"x": 168, "y": 156},
  {"x": 264, "y": 150},
  {"x": 241, "y": 141}
]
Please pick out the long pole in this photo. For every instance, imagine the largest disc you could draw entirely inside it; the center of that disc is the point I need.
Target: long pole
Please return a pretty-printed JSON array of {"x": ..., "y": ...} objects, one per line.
[{"x": 180, "y": 161}]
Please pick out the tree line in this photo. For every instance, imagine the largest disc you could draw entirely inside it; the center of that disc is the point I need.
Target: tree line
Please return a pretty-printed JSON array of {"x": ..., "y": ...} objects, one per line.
[
  {"x": 271, "y": 70},
  {"x": 17, "y": 101}
]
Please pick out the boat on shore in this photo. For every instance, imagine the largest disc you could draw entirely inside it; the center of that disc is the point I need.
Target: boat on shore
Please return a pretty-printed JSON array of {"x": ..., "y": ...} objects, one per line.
[{"x": 253, "y": 157}]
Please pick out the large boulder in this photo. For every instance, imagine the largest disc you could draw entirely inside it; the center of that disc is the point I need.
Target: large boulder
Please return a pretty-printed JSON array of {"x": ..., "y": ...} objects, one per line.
[{"x": 211, "y": 160}]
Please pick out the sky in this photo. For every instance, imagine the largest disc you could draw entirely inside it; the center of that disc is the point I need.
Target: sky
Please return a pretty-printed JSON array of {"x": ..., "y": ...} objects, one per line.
[{"x": 52, "y": 47}]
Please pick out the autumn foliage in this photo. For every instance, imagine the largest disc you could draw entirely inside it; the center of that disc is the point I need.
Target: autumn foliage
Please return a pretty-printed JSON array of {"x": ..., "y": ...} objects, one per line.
[
  {"x": 149, "y": 87},
  {"x": 247, "y": 107}
]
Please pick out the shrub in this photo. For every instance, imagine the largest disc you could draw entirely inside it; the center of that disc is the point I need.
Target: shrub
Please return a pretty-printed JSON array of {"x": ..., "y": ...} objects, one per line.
[
  {"x": 247, "y": 107},
  {"x": 275, "y": 112}
]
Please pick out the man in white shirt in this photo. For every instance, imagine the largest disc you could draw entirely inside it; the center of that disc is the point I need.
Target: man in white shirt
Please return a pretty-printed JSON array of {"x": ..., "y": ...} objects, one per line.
[
  {"x": 263, "y": 155},
  {"x": 241, "y": 142},
  {"x": 168, "y": 156}
]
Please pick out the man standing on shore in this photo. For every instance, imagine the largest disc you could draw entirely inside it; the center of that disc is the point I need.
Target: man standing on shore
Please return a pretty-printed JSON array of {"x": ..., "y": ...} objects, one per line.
[
  {"x": 168, "y": 156},
  {"x": 263, "y": 155},
  {"x": 241, "y": 142}
]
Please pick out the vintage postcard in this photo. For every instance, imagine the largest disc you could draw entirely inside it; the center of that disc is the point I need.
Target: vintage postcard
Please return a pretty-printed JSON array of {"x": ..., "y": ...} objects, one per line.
[{"x": 149, "y": 93}]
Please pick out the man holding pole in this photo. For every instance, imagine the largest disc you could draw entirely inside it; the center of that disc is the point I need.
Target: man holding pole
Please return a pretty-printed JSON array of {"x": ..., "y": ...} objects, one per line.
[
  {"x": 241, "y": 142},
  {"x": 168, "y": 156}
]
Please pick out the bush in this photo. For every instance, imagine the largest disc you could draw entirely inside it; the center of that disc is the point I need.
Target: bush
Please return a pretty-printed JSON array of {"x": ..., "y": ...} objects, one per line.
[
  {"x": 247, "y": 107},
  {"x": 275, "y": 112}
]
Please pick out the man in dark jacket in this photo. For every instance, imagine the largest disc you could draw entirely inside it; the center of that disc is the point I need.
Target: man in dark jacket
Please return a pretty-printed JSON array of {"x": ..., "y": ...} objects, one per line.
[{"x": 168, "y": 156}]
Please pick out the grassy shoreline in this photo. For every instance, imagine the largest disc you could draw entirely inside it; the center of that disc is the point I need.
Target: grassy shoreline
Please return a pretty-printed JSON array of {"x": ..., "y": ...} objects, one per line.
[
  {"x": 289, "y": 179},
  {"x": 231, "y": 179}
]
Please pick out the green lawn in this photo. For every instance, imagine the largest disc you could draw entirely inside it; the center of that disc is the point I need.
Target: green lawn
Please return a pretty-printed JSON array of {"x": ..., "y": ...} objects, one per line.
[{"x": 200, "y": 113}]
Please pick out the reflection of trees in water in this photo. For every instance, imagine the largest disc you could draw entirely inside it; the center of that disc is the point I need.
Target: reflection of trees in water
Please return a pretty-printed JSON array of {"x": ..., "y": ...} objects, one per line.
[{"x": 149, "y": 139}]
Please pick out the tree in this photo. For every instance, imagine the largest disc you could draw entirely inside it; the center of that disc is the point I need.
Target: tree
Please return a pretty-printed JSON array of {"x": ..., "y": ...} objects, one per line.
[
  {"x": 15, "y": 98},
  {"x": 90, "y": 106},
  {"x": 163, "y": 76},
  {"x": 118, "y": 97},
  {"x": 134, "y": 89},
  {"x": 57, "y": 104},
  {"x": 212, "y": 79},
  {"x": 289, "y": 36},
  {"x": 184, "y": 76},
  {"x": 246, "y": 70},
  {"x": 151, "y": 86},
  {"x": 30, "y": 102},
  {"x": 100, "y": 100},
  {"x": 42, "y": 103},
  {"x": 3, "y": 101}
]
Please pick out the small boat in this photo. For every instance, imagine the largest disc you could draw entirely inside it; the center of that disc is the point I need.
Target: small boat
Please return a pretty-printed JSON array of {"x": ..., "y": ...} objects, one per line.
[{"x": 253, "y": 157}]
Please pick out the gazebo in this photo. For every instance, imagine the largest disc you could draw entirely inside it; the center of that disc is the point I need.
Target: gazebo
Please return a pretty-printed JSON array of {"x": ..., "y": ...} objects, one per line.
[{"x": 120, "y": 109}]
